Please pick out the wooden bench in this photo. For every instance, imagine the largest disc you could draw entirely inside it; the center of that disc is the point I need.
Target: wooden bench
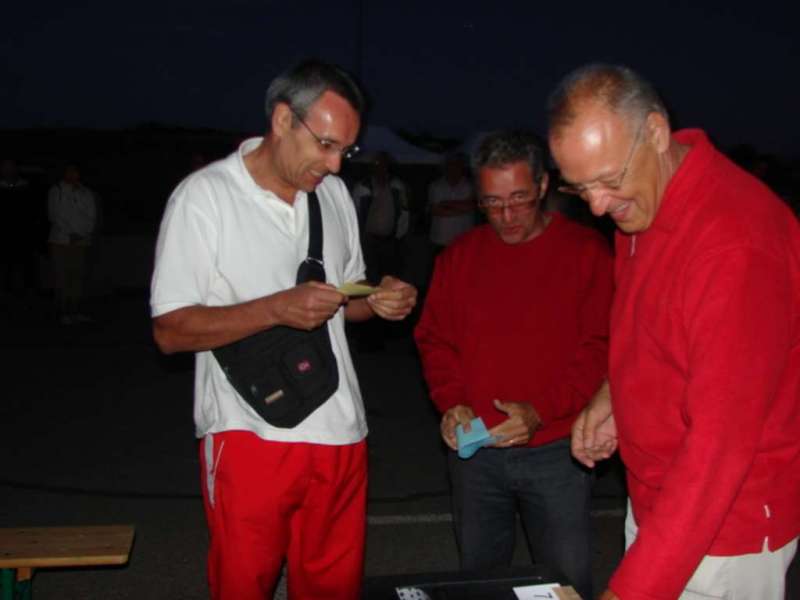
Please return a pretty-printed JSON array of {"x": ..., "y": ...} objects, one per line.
[{"x": 24, "y": 549}]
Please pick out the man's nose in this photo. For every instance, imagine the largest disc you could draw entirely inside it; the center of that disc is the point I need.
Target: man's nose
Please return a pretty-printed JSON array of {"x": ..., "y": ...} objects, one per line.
[
  {"x": 507, "y": 214},
  {"x": 333, "y": 162},
  {"x": 597, "y": 200}
]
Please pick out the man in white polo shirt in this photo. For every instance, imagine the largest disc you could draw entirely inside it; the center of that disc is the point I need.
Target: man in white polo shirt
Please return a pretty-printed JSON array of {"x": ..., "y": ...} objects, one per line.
[{"x": 232, "y": 237}]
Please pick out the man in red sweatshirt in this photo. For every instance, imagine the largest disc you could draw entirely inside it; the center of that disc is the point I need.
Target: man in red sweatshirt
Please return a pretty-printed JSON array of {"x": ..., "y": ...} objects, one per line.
[
  {"x": 704, "y": 362},
  {"x": 514, "y": 330}
]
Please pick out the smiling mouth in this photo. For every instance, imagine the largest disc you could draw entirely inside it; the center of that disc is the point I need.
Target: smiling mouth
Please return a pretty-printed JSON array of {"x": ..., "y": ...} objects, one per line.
[{"x": 619, "y": 210}]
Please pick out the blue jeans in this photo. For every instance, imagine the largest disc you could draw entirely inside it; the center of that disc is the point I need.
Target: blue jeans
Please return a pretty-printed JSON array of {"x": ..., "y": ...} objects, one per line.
[{"x": 550, "y": 490}]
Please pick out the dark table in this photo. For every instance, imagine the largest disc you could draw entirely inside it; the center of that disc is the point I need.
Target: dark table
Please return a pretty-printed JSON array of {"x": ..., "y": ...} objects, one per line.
[{"x": 497, "y": 584}]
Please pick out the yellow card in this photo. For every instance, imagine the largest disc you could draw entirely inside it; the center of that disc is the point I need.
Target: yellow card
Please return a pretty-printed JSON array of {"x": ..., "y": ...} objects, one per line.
[{"x": 357, "y": 289}]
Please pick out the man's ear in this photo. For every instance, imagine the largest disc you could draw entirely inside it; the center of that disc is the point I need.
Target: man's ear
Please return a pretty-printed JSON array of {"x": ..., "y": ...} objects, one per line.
[
  {"x": 658, "y": 131},
  {"x": 281, "y": 119},
  {"x": 543, "y": 185}
]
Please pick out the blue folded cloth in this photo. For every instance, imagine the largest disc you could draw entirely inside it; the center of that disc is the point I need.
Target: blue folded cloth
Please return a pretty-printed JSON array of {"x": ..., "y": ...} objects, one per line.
[{"x": 477, "y": 438}]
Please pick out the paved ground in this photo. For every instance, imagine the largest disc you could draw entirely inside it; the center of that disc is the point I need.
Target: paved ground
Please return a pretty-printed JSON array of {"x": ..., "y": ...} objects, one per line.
[{"x": 97, "y": 429}]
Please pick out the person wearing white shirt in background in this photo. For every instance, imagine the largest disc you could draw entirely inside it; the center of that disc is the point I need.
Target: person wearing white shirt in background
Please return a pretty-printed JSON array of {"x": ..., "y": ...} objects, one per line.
[
  {"x": 72, "y": 212},
  {"x": 382, "y": 205},
  {"x": 451, "y": 203},
  {"x": 381, "y": 201}
]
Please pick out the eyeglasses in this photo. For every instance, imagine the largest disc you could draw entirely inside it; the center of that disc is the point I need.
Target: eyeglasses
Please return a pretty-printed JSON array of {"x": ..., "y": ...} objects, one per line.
[
  {"x": 614, "y": 184},
  {"x": 517, "y": 203},
  {"x": 328, "y": 146}
]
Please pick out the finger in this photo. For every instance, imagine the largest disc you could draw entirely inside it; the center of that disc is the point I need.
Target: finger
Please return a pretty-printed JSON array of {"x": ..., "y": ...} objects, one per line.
[
  {"x": 519, "y": 441},
  {"x": 319, "y": 315},
  {"x": 576, "y": 446},
  {"x": 320, "y": 310},
  {"x": 388, "y": 294},
  {"x": 393, "y": 283},
  {"x": 602, "y": 451},
  {"x": 596, "y": 455},
  {"x": 387, "y": 313},
  {"x": 576, "y": 443},
  {"x": 332, "y": 298},
  {"x": 608, "y": 448},
  {"x": 378, "y": 307},
  {"x": 389, "y": 305},
  {"x": 499, "y": 442},
  {"x": 387, "y": 281},
  {"x": 451, "y": 421},
  {"x": 504, "y": 429},
  {"x": 588, "y": 430},
  {"x": 447, "y": 423},
  {"x": 504, "y": 408},
  {"x": 514, "y": 440},
  {"x": 506, "y": 442},
  {"x": 392, "y": 317},
  {"x": 448, "y": 428},
  {"x": 584, "y": 459}
]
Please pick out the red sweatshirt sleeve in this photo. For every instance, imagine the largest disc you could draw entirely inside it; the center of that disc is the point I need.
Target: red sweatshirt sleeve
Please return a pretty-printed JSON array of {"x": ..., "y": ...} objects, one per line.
[
  {"x": 436, "y": 338},
  {"x": 736, "y": 307},
  {"x": 589, "y": 366}
]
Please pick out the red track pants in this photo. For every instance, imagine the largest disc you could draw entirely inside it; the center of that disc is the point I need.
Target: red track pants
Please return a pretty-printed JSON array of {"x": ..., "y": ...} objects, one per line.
[{"x": 270, "y": 501}]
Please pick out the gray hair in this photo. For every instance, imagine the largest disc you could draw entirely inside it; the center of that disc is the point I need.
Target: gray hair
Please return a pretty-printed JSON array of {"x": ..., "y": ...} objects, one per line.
[
  {"x": 501, "y": 148},
  {"x": 620, "y": 89},
  {"x": 303, "y": 84}
]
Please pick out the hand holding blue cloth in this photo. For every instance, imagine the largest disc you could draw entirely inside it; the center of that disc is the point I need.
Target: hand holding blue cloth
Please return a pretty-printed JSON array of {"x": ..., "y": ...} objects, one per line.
[{"x": 477, "y": 437}]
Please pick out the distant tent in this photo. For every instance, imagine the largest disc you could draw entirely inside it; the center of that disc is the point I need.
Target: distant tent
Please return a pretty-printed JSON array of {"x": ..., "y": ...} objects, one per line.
[
  {"x": 377, "y": 138},
  {"x": 472, "y": 142}
]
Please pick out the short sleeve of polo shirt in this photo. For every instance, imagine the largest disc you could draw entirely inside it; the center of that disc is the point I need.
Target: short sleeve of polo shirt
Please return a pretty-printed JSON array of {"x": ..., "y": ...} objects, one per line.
[
  {"x": 185, "y": 250},
  {"x": 355, "y": 267}
]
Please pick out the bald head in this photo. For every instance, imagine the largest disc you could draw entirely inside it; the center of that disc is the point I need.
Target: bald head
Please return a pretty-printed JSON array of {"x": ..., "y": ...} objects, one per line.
[
  {"x": 610, "y": 137},
  {"x": 615, "y": 88}
]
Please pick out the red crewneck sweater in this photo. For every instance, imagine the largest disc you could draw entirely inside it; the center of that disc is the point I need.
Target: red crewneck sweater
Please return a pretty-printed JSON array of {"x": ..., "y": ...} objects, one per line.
[{"x": 523, "y": 323}]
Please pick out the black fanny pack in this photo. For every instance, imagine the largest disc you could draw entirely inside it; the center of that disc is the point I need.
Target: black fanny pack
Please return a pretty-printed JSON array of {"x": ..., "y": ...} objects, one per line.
[{"x": 285, "y": 374}]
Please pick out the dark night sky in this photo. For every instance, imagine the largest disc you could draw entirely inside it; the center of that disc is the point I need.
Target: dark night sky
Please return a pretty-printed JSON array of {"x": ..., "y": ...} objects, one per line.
[{"x": 449, "y": 68}]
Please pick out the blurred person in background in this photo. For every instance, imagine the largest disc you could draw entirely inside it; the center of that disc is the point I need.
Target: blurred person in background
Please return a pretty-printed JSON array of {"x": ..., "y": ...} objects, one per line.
[{"x": 72, "y": 212}]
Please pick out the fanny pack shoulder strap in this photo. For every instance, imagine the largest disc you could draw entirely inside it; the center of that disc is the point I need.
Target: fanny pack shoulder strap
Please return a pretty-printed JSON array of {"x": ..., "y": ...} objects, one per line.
[
  {"x": 312, "y": 268},
  {"x": 314, "y": 228}
]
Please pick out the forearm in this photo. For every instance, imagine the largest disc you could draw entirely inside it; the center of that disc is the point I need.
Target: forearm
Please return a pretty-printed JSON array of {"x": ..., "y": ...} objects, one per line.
[
  {"x": 441, "y": 367},
  {"x": 705, "y": 475},
  {"x": 602, "y": 397},
  {"x": 694, "y": 500},
  {"x": 437, "y": 338},
  {"x": 200, "y": 328}
]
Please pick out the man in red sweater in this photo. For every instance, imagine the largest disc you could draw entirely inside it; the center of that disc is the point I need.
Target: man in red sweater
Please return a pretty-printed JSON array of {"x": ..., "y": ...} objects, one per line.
[
  {"x": 514, "y": 330},
  {"x": 704, "y": 363}
]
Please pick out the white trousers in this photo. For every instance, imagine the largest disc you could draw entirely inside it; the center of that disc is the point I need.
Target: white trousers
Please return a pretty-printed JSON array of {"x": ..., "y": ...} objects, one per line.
[{"x": 760, "y": 576}]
